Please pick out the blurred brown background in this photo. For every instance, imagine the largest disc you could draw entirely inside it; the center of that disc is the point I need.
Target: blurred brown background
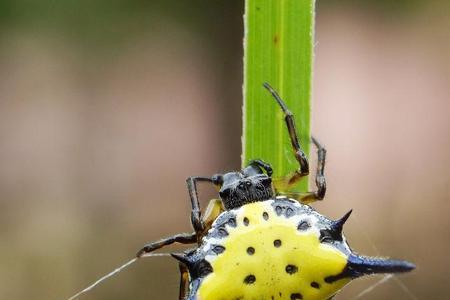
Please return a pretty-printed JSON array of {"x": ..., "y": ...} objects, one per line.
[{"x": 107, "y": 106}]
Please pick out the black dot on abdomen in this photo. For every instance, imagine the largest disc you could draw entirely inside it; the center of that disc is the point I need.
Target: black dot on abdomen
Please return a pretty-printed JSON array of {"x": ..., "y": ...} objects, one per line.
[
  {"x": 218, "y": 249},
  {"x": 315, "y": 285},
  {"x": 289, "y": 212},
  {"x": 296, "y": 296},
  {"x": 232, "y": 222},
  {"x": 277, "y": 243},
  {"x": 303, "y": 225},
  {"x": 291, "y": 269},
  {"x": 278, "y": 210},
  {"x": 222, "y": 232},
  {"x": 250, "y": 279}
]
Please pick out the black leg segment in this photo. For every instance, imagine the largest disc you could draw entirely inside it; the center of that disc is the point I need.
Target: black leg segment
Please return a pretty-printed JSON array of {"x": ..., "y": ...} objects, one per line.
[
  {"x": 300, "y": 156},
  {"x": 184, "y": 278},
  {"x": 263, "y": 165},
  {"x": 196, "y": 214},
  {"x": 321, "y": 183},
  {"x": 182, "y": 238}
]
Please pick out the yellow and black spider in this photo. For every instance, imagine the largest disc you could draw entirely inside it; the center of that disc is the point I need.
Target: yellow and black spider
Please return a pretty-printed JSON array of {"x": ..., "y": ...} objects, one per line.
[{"x": 258, "y": 242}]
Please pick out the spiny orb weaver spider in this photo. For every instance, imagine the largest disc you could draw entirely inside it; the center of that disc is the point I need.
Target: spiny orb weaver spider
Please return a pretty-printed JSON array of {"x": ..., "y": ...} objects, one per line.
[{"x": 258, "y": 242}]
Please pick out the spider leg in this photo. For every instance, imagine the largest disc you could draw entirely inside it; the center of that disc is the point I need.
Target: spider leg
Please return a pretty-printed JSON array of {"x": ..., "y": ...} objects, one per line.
[
  {"x": 184, "y": 278},
  {"x": 321, "y": 184},
  {"x": 214, "y": 208},
  {"x": 196, "y": 213},
  {"x": 300, "y": 156},
  {"x": 200, "y": 225},
  {"x": 182, "y": 238},
  {"x": 263, "y": 165}
]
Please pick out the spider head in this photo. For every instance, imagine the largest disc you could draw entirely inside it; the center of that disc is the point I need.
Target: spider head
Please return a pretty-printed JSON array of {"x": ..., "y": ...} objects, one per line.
[{"x": 251, "y": 184}]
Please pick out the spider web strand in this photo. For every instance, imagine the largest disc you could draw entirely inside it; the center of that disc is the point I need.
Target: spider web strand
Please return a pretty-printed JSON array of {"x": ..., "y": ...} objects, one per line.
[
  {"x": 373, "y": 286},
  {"x": 114, "y": 272}
]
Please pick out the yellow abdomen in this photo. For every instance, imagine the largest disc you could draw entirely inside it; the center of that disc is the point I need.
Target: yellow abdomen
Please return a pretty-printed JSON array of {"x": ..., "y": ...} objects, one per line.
[{"x": 268, "y": 254}]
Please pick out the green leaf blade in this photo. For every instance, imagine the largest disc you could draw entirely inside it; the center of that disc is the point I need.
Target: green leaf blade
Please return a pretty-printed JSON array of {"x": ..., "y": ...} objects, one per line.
[{"x": 278, "y": 49}]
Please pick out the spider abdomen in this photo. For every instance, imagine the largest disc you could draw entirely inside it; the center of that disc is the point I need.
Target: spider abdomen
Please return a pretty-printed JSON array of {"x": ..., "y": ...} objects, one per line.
[{"x": 270, "y": 250}]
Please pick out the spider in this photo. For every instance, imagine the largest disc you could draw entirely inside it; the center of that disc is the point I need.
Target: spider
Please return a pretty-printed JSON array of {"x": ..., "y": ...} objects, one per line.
[{"x": 260, "y": 242}]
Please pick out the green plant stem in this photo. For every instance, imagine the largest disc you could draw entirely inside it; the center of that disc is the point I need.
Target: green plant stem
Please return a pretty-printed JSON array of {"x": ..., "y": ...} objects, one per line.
[{"x": 278, "y": 49}]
